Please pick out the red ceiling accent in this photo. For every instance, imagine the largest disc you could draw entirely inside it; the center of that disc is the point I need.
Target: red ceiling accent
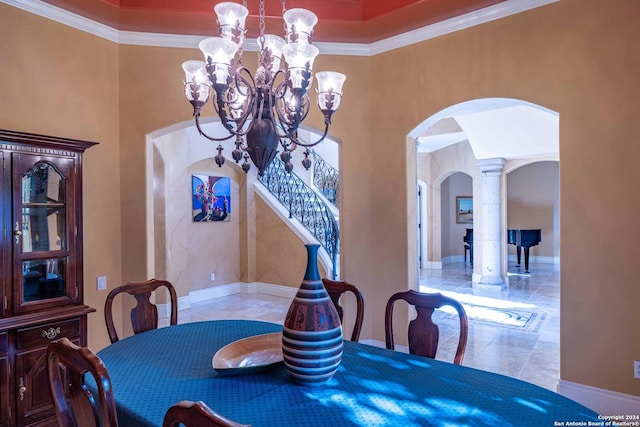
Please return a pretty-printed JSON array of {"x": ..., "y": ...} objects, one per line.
[{"x": 354, "y": 21}]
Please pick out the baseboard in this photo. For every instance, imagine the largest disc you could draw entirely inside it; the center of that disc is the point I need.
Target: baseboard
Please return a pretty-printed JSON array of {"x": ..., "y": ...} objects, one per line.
[
  {"x": 604, "y": 402},
  {"x": 433, "y": 265},
  {"x": 536, "y": 259},
  {"x": 185, "y": 302},
  {"x": 382, "y": 344},
  {"x": 275, "y": 290}
]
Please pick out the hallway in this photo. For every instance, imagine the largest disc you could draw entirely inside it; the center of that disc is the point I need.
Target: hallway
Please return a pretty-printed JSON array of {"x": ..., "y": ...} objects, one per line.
[
  {"x": 529, "y": 352},
  {"x": 497, "y": 342}
]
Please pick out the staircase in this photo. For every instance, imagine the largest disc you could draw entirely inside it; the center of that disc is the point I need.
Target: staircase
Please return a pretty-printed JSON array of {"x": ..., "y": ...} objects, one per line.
[
  {"x": 326, "y": 178},
  {"x": 305, "y": 205}
]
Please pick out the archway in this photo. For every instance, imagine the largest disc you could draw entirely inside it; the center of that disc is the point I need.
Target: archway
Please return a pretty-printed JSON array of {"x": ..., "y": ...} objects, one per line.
[
  {"x": 175, "y": 153},
  {"x": 465, "y": 138},
  {"x": 516, "y": 142}
]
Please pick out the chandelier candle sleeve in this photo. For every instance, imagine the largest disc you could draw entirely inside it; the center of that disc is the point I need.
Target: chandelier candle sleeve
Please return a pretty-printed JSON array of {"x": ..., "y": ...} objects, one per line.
[
  {"x": 300, "y": 23},
  {"x": 197, "y": 89},
  {"x": 263, "y": 109},
  {"x": 329, "y": 89},
  {"x": 231, "y": 19},
  {"x": 218, "y": 54}
]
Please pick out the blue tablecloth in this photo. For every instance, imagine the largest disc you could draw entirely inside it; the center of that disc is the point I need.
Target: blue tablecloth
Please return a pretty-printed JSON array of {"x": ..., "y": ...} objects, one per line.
[{"x": 373, "y": 386}]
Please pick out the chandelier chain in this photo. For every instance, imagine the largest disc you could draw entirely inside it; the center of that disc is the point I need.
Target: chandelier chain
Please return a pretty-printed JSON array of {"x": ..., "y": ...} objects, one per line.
[
  {"x": 262, "y": 24},
  {"x": 284, "y": 9}
]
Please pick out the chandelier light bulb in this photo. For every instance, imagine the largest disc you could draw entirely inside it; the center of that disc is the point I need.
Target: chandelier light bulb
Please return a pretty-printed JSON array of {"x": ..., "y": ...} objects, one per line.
[
  {"x": 218, "y": 53},
  {"x": 231, "y": 20},
  {"x": 196, "y": 88},
  {"x": 299, "y": 23},
  {"x": 329, "y": 89},
  {"x": 299, "y": 59},
  {"x": 194, "y": 72},
  {"x": 274, "y": 44}
]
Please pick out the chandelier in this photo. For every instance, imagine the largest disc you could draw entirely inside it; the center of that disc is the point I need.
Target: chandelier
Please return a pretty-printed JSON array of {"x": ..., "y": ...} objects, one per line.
[{"x": 261, "y": 110}]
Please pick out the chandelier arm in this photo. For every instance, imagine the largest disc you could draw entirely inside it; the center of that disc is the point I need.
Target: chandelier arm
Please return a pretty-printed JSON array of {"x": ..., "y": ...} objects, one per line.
[
  {"x": 238, "y": 75},
  {"x": 311, "y": 144},
  {"x": 249, "y": 84},
  {"x": 281, "y": 120},
  {"x": 202, "y": 132},
  {"x": 291, "y": 127}
]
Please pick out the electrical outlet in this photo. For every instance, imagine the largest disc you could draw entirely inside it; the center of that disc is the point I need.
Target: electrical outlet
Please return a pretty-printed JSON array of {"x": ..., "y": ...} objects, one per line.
[
  {"x": 213, "y": 276},
  {"x": 636, "y": 369},
  {"x": 102, "y": 283}
]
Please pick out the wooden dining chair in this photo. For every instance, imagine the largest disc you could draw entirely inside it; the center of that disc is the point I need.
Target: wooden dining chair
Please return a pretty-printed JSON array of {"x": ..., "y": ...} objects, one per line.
[
  {"x": 67, "y": 364},
  {"x": 336, "y": 289},
  {"x": 196, "y": 414},
  {"x": 423, "y": 333},
  {"x": 144, "y": 316}
]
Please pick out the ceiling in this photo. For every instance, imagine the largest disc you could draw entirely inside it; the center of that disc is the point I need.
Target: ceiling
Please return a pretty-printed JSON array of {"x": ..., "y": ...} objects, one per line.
[{"x": 343, "y": 21}]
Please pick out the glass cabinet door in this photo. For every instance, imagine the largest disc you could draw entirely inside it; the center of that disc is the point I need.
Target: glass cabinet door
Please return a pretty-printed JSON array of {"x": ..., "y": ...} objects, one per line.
[{"x": 42, "y": 231}]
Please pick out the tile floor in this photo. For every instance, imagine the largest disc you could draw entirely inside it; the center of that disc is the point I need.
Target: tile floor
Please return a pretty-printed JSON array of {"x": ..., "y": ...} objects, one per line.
[{"x": 530, "y": 352}]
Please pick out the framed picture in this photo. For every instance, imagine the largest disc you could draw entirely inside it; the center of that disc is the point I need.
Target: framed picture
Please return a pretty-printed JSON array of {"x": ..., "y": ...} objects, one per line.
[
  {"x": 211, "y": 198},
  {"x": 464, "y": 209}
]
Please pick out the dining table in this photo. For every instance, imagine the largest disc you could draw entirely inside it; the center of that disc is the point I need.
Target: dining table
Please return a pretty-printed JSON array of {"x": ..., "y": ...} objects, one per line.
[{"x": 373, "y": 386}]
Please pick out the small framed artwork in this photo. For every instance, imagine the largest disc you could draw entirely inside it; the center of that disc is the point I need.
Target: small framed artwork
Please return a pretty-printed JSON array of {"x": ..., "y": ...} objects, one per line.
[
  {"x": 464, "y": 209},
  {"x": 211, "y": 198}
]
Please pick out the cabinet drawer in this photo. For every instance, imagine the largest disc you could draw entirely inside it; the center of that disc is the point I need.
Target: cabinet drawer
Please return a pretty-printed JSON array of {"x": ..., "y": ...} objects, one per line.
[
  {"x": 4, "y": 342},
  {"x": 43, "y": 334}
]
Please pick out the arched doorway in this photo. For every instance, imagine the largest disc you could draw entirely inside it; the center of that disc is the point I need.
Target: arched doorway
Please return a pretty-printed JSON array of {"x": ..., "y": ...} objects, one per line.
[
  {"x": 517, "y": 142},
  {"x": 464, "y": 138}
]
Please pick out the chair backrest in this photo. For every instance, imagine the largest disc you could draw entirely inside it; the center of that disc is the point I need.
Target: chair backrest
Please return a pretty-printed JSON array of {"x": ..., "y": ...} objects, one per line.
[
  {"x": 423, "y": 333},
  {"x": 67, "y": 364},
  {"x": 144, "y": 316},
  {"x": 335, "y": 289},
  {"x": 196, "y": 414}
]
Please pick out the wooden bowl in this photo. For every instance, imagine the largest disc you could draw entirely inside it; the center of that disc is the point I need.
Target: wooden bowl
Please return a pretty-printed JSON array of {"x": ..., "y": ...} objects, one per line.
[{"x": 249, "y": 355}]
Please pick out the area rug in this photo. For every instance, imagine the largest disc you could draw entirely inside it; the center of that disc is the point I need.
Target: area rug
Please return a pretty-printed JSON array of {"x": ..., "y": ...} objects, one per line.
[
  {"x": 496, "y": 311},
  {"x": 506, "y": 317}
]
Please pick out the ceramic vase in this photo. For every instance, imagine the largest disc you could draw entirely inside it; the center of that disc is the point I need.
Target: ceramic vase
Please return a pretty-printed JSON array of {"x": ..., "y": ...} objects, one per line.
[{"x": 312, "y": 333}]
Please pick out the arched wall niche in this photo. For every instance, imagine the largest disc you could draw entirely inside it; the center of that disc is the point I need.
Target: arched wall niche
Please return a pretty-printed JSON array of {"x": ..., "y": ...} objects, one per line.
[{"x": 179, "y": 249}]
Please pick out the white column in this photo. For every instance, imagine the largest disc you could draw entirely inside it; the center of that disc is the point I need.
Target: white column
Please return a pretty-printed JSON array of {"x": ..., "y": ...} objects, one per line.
[{"x": 490, "y": 242}]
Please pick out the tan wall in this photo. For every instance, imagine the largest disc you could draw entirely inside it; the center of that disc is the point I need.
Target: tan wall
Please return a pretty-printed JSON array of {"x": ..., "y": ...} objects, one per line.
[
  {"x": 582, "y": 59},
  {"x": 531, "y": 194},
  {"x": 187, "y": 252},
  {"x": 458, "y": 184},
  {"x": 63, "y": 82},
  {"x": 578, "y": 57},
  {"x": 281, "y": 257}
]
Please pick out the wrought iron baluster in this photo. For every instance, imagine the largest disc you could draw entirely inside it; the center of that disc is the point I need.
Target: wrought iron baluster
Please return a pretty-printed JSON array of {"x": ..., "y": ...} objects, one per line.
[
  {"x": 326, "y": 178},
  {"x": 304, "y": 205}
]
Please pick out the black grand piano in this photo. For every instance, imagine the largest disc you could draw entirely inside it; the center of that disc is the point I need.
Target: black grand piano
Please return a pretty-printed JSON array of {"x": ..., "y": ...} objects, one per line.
[
  {"x": 521, "y": 238},
  {"x": 524, "y": 239}
]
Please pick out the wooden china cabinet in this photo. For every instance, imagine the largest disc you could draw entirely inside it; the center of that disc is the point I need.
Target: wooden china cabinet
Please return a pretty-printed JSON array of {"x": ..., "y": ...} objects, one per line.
[{"x": 41, "y": 286}]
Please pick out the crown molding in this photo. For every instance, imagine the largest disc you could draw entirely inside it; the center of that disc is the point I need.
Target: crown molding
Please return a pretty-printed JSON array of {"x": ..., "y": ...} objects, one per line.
[
  {"x": 37, "y": 7},
  {"x": 468, "y": 20}
]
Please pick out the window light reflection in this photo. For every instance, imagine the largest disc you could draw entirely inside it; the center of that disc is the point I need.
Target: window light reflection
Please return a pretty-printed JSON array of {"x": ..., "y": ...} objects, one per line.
[{"x": 382, "y": 409}]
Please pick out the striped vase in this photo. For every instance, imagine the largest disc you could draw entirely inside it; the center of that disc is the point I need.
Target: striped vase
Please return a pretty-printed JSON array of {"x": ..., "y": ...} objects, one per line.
[{"x": 312, "y": 334}]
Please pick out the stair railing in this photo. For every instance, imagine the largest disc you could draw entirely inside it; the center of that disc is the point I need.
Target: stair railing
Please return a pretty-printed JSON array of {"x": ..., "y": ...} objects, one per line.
[
  {"x": 327, "y": 179},
  {"x": 305, "y": 205}
]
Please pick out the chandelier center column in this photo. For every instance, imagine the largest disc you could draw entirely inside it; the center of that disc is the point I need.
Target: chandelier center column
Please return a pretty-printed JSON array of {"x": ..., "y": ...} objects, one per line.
[{"x": 490, "y": 241}]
